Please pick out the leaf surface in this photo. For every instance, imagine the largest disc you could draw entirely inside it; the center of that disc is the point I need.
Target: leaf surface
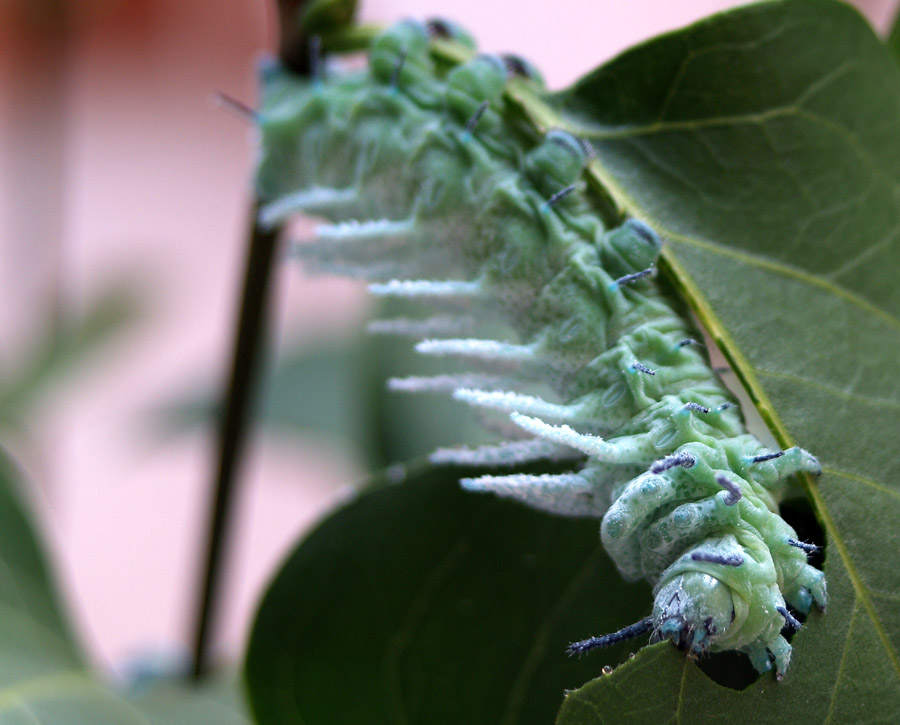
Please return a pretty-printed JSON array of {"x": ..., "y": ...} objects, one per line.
[
  {"x": 421, "y": 603},
  {"x": 764, "y": 145}
]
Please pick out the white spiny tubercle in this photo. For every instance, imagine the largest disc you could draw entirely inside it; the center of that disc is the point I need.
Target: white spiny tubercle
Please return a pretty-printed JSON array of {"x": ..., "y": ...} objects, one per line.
[
  {"x": 566, "y": 436},
  {"x": 502, "y": 454},
  {"x": 475, "y": 348},
  {"x": 371, "y": 229},
  {"x": 516, "y": 402},
  {"x": 431, "y": 326},
  {"x": 439, "y": 383},
  {"x": 426, "y": 288},
  {"x": 305, "y": 201},
  {"x": 568, "y": 494}
]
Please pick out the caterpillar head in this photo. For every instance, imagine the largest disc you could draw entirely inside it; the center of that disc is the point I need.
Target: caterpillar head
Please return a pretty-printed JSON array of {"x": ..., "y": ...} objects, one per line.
[
  {"x": 723, "y": 594},
  {"x": 557, "y": 161},
  {"x": 692, "y": 609}
]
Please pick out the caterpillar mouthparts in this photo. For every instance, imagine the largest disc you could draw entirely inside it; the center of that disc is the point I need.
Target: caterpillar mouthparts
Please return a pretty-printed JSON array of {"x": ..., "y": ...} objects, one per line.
[{"x": 435, "y": 190}]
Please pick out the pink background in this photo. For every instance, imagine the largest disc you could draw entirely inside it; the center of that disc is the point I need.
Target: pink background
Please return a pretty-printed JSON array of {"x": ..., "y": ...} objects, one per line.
[{"x": 117, "y": 165}]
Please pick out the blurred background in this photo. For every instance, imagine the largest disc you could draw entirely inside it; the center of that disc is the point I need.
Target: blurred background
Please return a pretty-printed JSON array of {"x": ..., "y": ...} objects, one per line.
[{"x": 124, "y": 199}]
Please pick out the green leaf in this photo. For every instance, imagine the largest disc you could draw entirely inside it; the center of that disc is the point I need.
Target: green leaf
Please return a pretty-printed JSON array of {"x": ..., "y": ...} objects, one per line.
[
  {"x": 43, "y": 676},
  {"x": 764, "y": 145},
  {"x": 37, "y": 641},
  {"x": 61, "y": 347},
  {"x": 217, "y": 701},
  {"x": 420, "y": 602},
  {"x": 324, "y": 16},
  {"x": 319, "y": 389}
]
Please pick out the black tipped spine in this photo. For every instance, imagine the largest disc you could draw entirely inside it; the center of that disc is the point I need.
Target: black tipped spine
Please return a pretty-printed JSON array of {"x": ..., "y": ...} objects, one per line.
[
  {"x": 689, "y": 341},
  {"x": 734, "y": 491},
  {"x": 808, "y": 548},
  {"x": 766, "y": 457},
  {"x": 476, "y": 117},
  {"x": 713, "y": 558},
  {"x": 683, "y": 458},
  {"x": 607, "y": 640},
  {"x": 559, "y": 196},
  {"x": 640, "y": 367},
  {"x": 236, "y": 107},
  {"x": 629, "y": 278}
]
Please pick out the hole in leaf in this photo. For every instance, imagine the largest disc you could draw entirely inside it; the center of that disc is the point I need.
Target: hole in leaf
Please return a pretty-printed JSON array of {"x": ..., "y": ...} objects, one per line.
[{"x": 729, "y": 669}]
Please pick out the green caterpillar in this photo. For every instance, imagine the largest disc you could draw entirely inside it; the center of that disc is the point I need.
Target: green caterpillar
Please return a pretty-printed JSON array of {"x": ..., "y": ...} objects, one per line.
[{"x": 466, "y": 208}]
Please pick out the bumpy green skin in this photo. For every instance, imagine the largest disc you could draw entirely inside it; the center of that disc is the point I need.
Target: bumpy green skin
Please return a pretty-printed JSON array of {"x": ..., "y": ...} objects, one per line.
[{"x": 449, "y": 200}]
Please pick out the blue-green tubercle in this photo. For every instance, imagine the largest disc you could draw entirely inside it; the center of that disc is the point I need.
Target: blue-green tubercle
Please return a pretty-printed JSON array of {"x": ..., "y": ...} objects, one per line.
[{"x": 437, "y": 190}]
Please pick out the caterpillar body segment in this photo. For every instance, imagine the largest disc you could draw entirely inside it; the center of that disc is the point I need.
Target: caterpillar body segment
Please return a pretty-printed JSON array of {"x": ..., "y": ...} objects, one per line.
[{"x": 434, "y": 189}]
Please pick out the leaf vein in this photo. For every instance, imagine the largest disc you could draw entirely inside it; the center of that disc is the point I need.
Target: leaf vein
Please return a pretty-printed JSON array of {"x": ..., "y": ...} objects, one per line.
[
  {"x": 840, "y": 669},
  {"x": 539, "y": 644},
  {"x": 861, "y": 591},
  {"x": 864, "y": 480},
  {"x": 786, "y": 271},
  {"x": 831, "y": 389}
]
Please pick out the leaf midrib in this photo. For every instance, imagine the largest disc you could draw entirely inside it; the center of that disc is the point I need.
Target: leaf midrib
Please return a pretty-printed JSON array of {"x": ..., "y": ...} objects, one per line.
[
  {"x": 784, "y": 270},
  {"x": 542, "y": 117}
]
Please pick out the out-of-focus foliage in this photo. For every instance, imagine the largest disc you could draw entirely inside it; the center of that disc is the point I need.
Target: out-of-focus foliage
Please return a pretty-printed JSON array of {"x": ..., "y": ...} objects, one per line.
[
  {"x": 43, "y": 674},
  {"x": 60, "y": 348},
  {"x": 335, "y": 389}
]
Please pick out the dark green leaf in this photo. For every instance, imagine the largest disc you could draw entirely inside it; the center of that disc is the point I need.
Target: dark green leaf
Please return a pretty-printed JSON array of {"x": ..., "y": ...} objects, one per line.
[
  {"x": 765, "y": 145},
  {"x": 893, "y": 38},
  {"x": 324, "y": 16},
  {"x": 422, "y": 603}
]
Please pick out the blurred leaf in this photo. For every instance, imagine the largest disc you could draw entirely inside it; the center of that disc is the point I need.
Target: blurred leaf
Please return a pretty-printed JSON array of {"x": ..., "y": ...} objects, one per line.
[
  {"x": 37, "y": 641},
  {"x": 326, "y": 16},
  {"x": 61, "y": 349},
  {"x": 217, "y": 701},
  {"x": 336, "y": 389},
  {"x": 420, "y": 602},
  {"x": 43, "y": 677}
]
